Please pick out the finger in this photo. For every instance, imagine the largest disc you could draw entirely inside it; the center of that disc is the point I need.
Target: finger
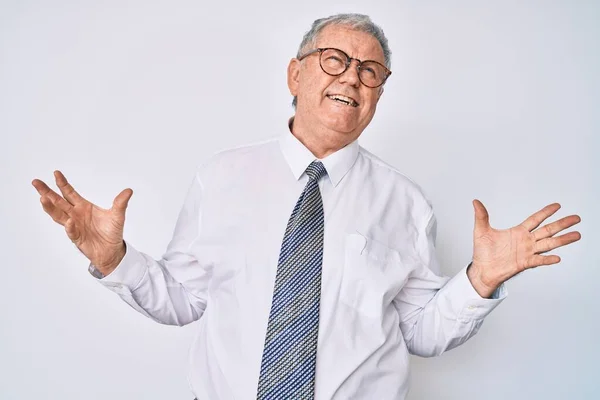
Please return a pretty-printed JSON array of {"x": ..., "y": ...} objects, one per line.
[
  {"x": 72, "y": 231},
  {"x": 537, "y": 260},
  {"x": 54, "y": 197},
  {"x": 54, "y": 212},
  {"x": 552, "y": 229},
  {"x": 66, "y": 189},
  {"x": 41, "y": 187},
  {"x": 552, "y": 243},
  {"x": 482, "y": 218},
  {"x": 122, "y": 200},
  {"x": 536, "y": 219}
]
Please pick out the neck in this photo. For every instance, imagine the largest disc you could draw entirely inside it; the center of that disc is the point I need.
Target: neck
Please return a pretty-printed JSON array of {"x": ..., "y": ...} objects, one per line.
[{"x": 321, "y": 142}]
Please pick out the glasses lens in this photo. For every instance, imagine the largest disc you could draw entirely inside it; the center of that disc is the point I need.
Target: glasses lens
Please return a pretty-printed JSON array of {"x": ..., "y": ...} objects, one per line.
[
  {"x": 372, "y": 74},
  {"x": 333, "y": 61}
]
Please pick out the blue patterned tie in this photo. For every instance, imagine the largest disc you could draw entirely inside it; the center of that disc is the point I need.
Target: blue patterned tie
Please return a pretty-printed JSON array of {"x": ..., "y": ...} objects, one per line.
[{"x": 290, "y": 353}]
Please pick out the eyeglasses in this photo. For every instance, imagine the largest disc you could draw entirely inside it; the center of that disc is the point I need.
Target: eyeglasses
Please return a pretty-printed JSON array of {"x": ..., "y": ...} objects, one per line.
[{"x": 335, "y": 62}]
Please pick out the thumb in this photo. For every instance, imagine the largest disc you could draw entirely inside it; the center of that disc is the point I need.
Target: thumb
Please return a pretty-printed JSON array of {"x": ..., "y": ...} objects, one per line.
[
  {"x": 120, "y": 202},
  {"x": 482, "y": 218}
]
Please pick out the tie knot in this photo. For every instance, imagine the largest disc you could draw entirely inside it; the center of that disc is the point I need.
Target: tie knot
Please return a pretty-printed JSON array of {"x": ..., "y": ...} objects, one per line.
[{"x": 315, "y": 170}]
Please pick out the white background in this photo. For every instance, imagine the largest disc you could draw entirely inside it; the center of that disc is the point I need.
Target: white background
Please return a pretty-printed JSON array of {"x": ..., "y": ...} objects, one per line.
[{"x": 496, "y": 100}]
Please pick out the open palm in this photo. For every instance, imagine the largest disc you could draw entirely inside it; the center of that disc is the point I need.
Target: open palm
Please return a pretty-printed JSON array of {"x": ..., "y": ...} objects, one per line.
[
  {"x": 97, "y": 232},
  {"x": 499, "y": 254}
]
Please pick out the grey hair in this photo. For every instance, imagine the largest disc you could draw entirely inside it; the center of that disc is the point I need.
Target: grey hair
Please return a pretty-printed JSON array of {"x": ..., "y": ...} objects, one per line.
[{"x": 359, "y": 22}]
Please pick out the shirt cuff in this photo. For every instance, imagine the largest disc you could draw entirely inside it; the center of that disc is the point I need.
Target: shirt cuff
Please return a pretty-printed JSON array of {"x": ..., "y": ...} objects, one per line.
[
  {"x": 128, "y": 274},
  {"x": 469, "y": 304}
]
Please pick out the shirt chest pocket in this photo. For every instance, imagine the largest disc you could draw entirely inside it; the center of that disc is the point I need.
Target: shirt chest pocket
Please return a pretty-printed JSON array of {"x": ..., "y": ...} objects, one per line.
[{"x": 373, "y": 274}]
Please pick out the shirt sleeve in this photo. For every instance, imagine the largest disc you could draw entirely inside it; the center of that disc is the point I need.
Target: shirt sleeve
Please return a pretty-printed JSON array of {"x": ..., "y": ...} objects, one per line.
[
  {"x": 172, "y": 290},
  {"x": 438, "y": 313}
]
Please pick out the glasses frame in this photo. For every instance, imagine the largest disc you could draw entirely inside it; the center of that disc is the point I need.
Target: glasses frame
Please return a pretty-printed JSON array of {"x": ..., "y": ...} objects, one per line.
[{"x": 349, "y": 59}]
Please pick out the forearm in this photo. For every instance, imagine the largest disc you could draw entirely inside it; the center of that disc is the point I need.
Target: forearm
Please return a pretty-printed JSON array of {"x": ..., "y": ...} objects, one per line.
[
  {"x": 148, "y": 286},
  {"x": 454, "y": 314}
]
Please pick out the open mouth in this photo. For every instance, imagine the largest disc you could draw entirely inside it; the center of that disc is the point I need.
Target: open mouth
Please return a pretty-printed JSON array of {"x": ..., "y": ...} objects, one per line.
[{"x": 349, "y": 101}]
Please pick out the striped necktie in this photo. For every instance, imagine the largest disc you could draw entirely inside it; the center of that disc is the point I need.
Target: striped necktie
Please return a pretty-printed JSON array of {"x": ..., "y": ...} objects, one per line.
[{"x": 290, "y": 353}]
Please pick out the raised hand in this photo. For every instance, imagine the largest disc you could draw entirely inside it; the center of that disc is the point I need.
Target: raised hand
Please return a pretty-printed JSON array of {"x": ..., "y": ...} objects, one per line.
[
  {"x": 499, "y": 255},
  {"x": 97, "y": 233}
]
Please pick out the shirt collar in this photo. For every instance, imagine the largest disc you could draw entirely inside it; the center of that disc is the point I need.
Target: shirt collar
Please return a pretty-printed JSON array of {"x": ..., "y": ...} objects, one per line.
[{"x": 299, "y": 157}]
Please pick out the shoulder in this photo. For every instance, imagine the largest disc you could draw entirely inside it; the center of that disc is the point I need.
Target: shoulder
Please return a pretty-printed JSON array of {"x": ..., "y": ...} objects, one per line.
[
  {"x": 384, "y": 170},
  {"x": 386, "y": 178},
  {"x": 242, "y": 156},
  {"x": 243, "y": 151}
]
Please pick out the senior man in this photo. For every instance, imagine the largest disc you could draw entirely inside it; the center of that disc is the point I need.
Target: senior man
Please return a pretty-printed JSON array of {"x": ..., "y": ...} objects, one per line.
[{"x": 329, "y": 302}]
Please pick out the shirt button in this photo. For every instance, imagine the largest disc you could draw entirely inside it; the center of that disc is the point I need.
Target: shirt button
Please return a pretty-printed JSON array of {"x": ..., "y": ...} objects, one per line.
[{"x": 471, "y": 307}]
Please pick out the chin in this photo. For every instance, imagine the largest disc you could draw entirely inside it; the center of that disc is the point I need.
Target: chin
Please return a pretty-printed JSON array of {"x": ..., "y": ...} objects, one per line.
[{"x": 340, "y": 125}]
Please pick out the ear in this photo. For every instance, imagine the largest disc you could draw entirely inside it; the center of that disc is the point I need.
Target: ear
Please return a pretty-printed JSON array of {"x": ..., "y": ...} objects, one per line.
[{"x": 293, "y": 76}]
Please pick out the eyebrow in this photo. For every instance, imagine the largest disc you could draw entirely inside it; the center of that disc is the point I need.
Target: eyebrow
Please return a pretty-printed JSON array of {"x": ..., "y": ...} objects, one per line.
[{"x": 349, "y": 55}]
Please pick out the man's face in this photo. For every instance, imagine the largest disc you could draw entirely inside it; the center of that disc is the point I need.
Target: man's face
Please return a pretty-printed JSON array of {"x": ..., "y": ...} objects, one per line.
[{"x": 315, "y": 89}]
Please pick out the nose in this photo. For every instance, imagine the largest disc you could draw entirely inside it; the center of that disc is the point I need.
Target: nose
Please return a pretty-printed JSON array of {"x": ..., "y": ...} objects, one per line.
[{"x": 350, "y": 75}]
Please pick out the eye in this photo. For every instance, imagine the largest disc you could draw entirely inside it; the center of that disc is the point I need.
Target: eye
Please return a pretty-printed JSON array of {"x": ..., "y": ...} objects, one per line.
[
  {"x": 334, "y": 59},
  {"x": 369, "y": 71}
]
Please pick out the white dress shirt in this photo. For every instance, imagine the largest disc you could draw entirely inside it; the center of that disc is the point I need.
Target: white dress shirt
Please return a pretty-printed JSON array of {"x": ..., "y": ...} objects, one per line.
[{"x": 382, "y": 295}]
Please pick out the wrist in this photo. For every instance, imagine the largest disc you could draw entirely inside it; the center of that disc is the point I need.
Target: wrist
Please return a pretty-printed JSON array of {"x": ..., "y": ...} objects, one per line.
[
  {"x": 483, "y": 286},
  {"x": 113, "y": 261}
]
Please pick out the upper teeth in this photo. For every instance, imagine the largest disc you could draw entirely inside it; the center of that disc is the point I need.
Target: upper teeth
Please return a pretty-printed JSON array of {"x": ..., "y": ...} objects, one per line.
[{"x": 348, "y": 100}]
